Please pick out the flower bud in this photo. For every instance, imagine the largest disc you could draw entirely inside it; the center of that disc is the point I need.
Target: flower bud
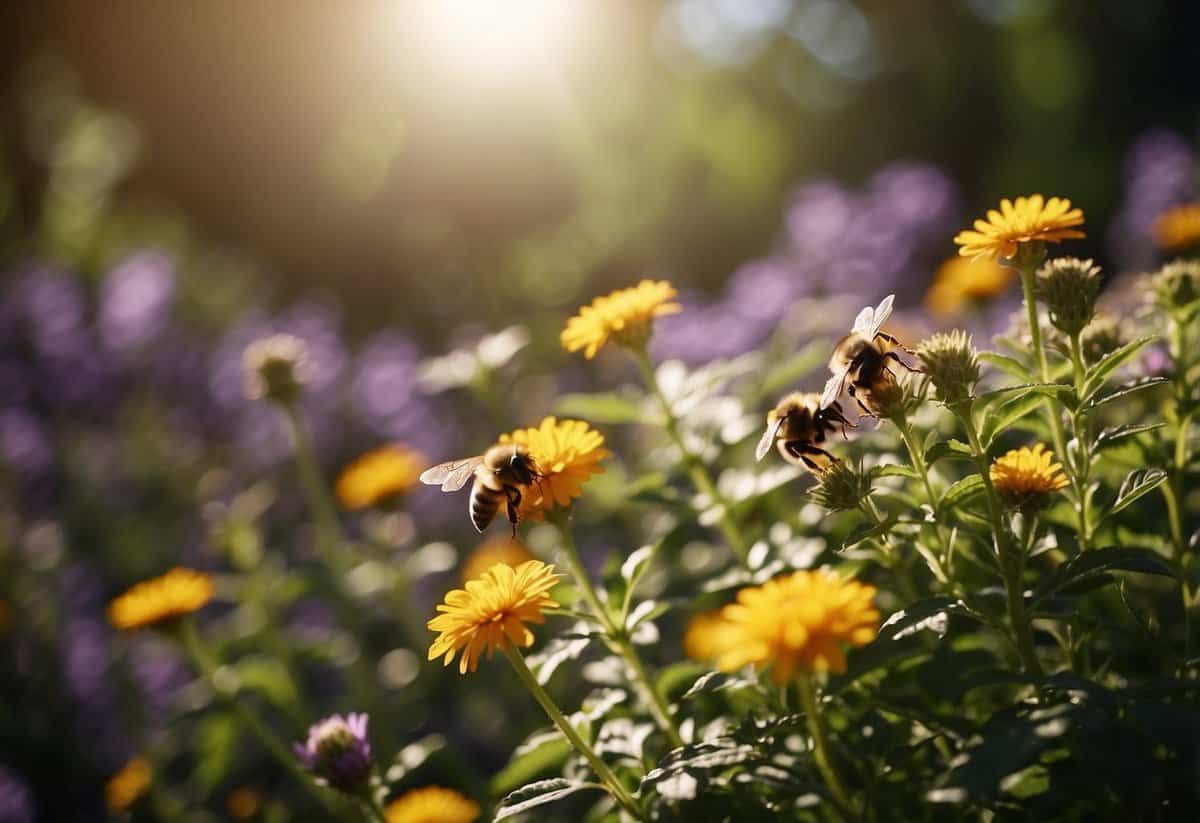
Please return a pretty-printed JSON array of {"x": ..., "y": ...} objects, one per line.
[
  {"x": 1177, "y": 287},
  {"x": 1102, "y": 336},
  {"x": 276, "y": 368},
  {"x": 338, "y": 753},
  {"x": 952, "y": 365},
  {"x": 842, "y": 487},
  {"x": 1068, "y": 286}
]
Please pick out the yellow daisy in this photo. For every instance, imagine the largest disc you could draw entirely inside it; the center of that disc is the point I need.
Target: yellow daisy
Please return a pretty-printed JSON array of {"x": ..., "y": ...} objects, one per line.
[
  {"x": 626, "y": 315},
  {"x": 128, "y": 785},
  {"x": 1024, "y": 472},
  {"x": 799, "y": 621},
  {"x": 961, "y": 281},
  {"x": 378, "y": 475},
  {"x": 432, "y": 804},
  {"x": 491, "y": 612},
  {"x": 1178, "y": 229},
  {"x": 567, "y": 453},
  {"x": 490, "y": 552},
  {"x": 174, "y": 594},
  {"x": 1030, "y": 219},
  {"x": 707, "y": 636}
]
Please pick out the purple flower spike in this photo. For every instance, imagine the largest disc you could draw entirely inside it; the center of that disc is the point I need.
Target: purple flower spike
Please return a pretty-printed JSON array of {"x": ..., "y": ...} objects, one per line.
[{"x": 338, "y": 752}]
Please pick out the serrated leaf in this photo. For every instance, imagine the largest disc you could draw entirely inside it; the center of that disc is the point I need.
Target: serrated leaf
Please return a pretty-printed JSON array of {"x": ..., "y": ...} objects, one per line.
[
  {"x": 1127, "y": 389},
  {"x": 1007, "y": 414},
  {"x": 910, "y": 619},
  {"x": 1103, "y": 561},
  {"x": 558, "y": 651},
  {"x": 894, "y": 470},
  {"x": 701, "y": 757},
  {"x": 710, "y": 682},
  {"x": 1137, "y": 483},
  {"x": 604, "y": 407},
  {"x": 1012, "y": 393},
  {"x": 962, "y": 491},
  {"x": 537, "y": 794},
  {"x": 868, "y": 531},
  {"x": 1007, "y": 364},
  {"x": 1098, "y": 374},
  {"x": 943, "y": 449},
  {"x": 1114, "y": 434}
]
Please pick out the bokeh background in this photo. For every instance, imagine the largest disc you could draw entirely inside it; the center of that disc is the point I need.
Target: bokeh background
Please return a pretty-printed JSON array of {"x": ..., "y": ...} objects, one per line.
[{"x": 397, "y": 183}]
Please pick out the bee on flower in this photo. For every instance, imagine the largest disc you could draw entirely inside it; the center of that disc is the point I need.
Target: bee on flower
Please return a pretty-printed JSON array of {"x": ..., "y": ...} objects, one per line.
[
  {"x": 860, "y": 365},
  {"x": 1026, "y": 220}
]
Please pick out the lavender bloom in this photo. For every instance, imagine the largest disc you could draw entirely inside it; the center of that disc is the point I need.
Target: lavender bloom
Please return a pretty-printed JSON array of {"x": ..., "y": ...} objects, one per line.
[
  {"x": 1160, "y": 172},
  {"x": 24, "y": 445},
  {"x": 338, "y": 752},
  {"x": 135, "y": 301},
  {"x": 16, "y": 800}
]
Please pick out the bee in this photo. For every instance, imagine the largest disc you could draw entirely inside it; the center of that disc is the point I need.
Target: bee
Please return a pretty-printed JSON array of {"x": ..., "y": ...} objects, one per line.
[
  {"x": 501, "y": 474},
  {"x": 796, "y": 424},
  {"x": 861, "y": 358}
]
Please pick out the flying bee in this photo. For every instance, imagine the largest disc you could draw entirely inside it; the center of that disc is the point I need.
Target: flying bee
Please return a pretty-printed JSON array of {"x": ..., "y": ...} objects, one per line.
[
  {"x": 501, "y": 474},
  {"x": 861, "y": 359},
  {"x": 796, "y": 425}
]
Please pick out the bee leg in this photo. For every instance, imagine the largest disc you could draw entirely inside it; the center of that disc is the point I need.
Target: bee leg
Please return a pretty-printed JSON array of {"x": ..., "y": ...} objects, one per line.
[
  {"x": 896, "y": 357},
  {"x": 806, "y": 452},
  {"x": 513, "y": 496}
]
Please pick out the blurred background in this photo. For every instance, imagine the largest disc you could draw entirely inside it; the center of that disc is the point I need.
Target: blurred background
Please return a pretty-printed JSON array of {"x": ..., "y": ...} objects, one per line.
[{"x": 423, "y": 190}]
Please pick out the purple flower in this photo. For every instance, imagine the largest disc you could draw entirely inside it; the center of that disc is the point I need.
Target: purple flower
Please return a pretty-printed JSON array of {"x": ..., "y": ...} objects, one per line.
[
  {"x": 16, "y": 801},
  {"x": 338, "y": 752},
  {"x": 24, "y": 444},
  {"x": 135, "y": 301}
]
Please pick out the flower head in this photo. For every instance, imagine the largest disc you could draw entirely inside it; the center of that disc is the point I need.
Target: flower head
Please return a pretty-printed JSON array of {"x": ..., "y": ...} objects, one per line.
[
  {"x": 338, "y": 752},
  {"x": 276, "y": 368},
  {"x": 961, "y": 282},
  {"x": 1030, "y": 219},
  {"x": 432, "y": 804},
  {"x": 625, "y": 315},
  {"x": 378, "y": 475},
  {"x": 1024, "y": 474},
  {"x": 176, "y": 593},
  {"x": 799, "y": 621},
  {"x": 707, "y": 636},
  {"x": 1178, "y": 229},
  {"x": 567, "y": 453},
  {"x": 1176, "y": 287},
  {"x": 491, "y": 612},
  {"x": 128, "y": 785},
  {"x": 952, "y": 365},
  {"x": 1069, "y": 286},
  {"x": 495, "y": 550},
  {"x": 842, "y": 487}
]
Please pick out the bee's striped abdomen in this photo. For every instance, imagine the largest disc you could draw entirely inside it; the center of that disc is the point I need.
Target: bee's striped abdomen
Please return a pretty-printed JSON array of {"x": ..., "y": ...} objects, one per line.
[{"x": 485, "y": 502}]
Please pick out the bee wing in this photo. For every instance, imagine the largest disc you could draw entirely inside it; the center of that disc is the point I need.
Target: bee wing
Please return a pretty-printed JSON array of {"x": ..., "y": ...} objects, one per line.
[
  {"x": 768, "y": 438},
  {"x": 882, "y": 312},
  {"x": 451, "y": 475},
  {"x": 864, "y": 321},
  {"x": 834, "y": 386}
]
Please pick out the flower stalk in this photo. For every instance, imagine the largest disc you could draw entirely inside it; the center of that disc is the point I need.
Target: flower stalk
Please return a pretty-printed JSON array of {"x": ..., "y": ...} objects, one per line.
[
  {"x": 329, "y": 529},
  {"x": 816, "y": 729},
  {"x": 697, "y": 471},
  {"x": 606, "y": 775}
]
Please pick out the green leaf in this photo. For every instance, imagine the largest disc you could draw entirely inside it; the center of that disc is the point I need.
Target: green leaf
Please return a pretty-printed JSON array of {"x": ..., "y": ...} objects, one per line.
[
  {"x": 1137, "y": 483},
  {"x": 1007, "y": 414},
  {"x": 710, "y": 682},
  {"x": 268, "y": 677},
  {"x": 1011, "y": 393},
  {"x": 1098, "y": 374},
  {"x": 537, "y": 794},
  {"x": 635, "y": 566},
  {"x": 1100, "y": 562},
  {"x": 1007, "y": 364},
  {"x": 413, "y": 756},
  {"x": 1126, "y": 389},
  {"x": 943, "y": 449},
  {"x": 700, "y": 757},
  {"x": 604, "y": 407},
  {"x": 894, "y": 470},
  {"x": 867, "y": 531},
  {"x": 918, "y": 616},
  {"x": 216, "y": 743},
  {"x": 1114, "y": 434},
  {"x": 962, "y": 491}
]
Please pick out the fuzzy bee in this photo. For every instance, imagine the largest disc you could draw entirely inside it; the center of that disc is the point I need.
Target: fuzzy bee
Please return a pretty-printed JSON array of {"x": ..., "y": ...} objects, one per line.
[
  {"x": 860, "y": 359},
  {"x": 796, "y": 425},
  {"x": 501, "y": 474}
]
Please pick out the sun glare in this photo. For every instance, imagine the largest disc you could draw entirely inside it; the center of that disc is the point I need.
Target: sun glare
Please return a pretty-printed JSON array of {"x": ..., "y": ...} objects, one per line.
[{"x": 499, "y": 37}]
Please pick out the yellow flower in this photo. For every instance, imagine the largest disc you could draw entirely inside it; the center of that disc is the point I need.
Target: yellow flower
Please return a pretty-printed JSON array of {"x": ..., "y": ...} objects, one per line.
[
  {"x": 1178, "y": 228},
  {"x": 432, "y": 804},
  {"x": 176, "y": 593},
  {"x": 624, "y": 315},
  {"x": 798, "y": 621},
  {"x": 567, "y": 453},
  {"x": 707, "y": 636},
  {"x": 1028, "y": 220},
  {"x": 1024, "y": 471},
  {"x": 961, "y": 281},
  {"x": 379, "y": 474},
  {"x": 490, "y": 552},
  {"x": 491, "y": 612},
  {"x": 127, "y": 785},
  {"x": 243, "y": 803}
]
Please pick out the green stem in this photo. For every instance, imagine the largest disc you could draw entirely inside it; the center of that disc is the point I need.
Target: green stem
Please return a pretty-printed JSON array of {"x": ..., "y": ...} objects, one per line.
[
  {"x": 1009, "y": 557},
  {"x": 617, "y": 638},
  {"x": 207, "y": 667},
  {"x": 695, "y": 467},
  {"x": 614, "y": 785},
  {"x": 1080, "y": 426},
  {"x": 917, "y": 457},
  {"x": 1172, "y": 490},
  {"x": 329, "y": 529},
  {"x": 808, "y": 701},
  {"x": 895, "y": 562},
  {"x": 375, "y": 811}
]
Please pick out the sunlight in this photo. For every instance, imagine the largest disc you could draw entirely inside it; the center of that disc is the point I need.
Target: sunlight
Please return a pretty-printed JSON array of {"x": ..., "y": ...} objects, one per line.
[{"x": 512, "y": 37}]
